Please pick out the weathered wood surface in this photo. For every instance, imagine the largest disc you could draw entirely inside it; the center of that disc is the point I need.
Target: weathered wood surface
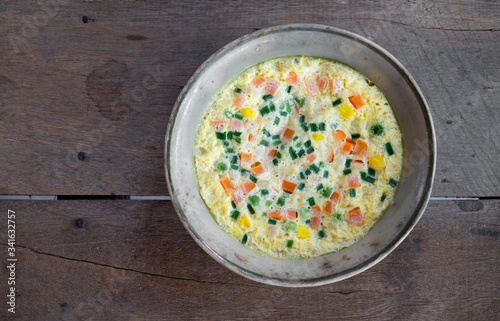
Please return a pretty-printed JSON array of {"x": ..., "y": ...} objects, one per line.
[
  {"x": 84, "y": 106},
  {"x": 133, "y": 260}
]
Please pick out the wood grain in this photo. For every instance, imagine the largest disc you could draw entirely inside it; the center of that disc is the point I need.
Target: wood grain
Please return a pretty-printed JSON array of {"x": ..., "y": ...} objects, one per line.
[
  {"x": 133, "y": 260},
  {"x": 84, "y": 106}
]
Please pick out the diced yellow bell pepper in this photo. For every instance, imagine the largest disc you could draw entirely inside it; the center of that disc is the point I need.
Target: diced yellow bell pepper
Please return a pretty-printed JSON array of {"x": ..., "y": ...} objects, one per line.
[
  {"x": 303, "y": 232},
  {"x": 248, "y": 112},
  {"x": 245, "y": 222},
  {"x": 317, "y": 136},
  {"x": 377, "y": 161},
  {"x": 346, "y": 111}
]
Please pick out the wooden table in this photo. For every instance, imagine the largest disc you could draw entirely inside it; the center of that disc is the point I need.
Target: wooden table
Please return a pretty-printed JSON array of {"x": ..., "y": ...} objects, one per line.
[{"x": 86, "y": 89}]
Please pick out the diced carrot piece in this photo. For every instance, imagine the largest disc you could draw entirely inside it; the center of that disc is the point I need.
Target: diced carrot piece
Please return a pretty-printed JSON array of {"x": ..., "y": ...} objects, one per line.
[
  {"x": 250, "y": 137},
  {"x": 358, "y": 162},
  {"x": 258, "y": 82},
  {"x": 336, "y": 84},
  {"x": 356, "y": 217},
  {"x": 257, "y": 168},
  {"x": 316, "y": 222},
  {"x": 360, "y": 148},
  {"x": 247, "y": 186},
  {"x": 288, "y": 134},
  {"x": 272, "y": 152},
  {"x": 245, "y": 159},
  {"x": 293, "y": 78},
  {"x": 316, "y": 209},
  {"x": 217, "y": 123},
  {"x": 310, "y": 158},
  {"x": 227, "y": 185},
  {"x": 272, "y": 87},
  {"x": 357, "y": 101},
  {"x": 236, "y": 124},
  {"x": 290, "y": 214},
  {"x": 348, "y": 146},
  {"x": 288, "y": 186},
  {"x": 328, "y": 207},
  {"x": 275, "y": 214},
  {"x": 335, "y": 198},
  {"x": 238, "y": 195},
  {"x": 353, "y": 181},
  {"x": 340, "y": 135},
  {"x": 240, "y": 101},
  {"x": 331, "y": 156},
  {"x": 323, "y": 83},
  {"x": 312, "y": 87}
]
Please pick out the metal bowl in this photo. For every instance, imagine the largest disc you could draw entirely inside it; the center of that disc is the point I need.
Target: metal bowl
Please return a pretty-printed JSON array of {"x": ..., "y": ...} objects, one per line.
[{"x": 378, "y": 65}]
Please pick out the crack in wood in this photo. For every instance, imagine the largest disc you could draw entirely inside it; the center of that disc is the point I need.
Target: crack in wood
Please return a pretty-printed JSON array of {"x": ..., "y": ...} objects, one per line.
[{"x": 432, "y": 28}]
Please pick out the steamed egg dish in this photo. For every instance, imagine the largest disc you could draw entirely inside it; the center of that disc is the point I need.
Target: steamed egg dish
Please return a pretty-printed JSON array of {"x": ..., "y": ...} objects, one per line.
[{"x": 298, "y": 156}]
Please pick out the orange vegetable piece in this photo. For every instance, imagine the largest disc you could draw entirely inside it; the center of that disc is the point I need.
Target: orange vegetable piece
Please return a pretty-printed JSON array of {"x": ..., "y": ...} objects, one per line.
[
  {"x": 258, "y": 82},
  {"x": 355, "y": 217},
  {"x": 245, "y": 159},
  {"x": 257, "y": 168},
  {"x": 316, "y": 222},
  {"x": 238, "y": 195},
  {"x": 323, "y": 83},
  {"x": 288, "y": 186},
  {"x": 275, "y": 214},
  {"x": 331, "y": 156},
  {"x": 316, "y": 209},
  {"x": 247, "y": 186},
  {"x": 290, "y": 214},
  {"x": 217, "y": 123},
  {"x": 272, "y": 87},
  {"x": 340, "y": 135},
  {"x": 293, "y": 78},
  {"x": 360, "y": 148},
  {"x": 236, "y": 124},
  {"x": 357, "y": 101},
  {"x": 227, "y": 185},
  {"x": 240, "y": 100},
  {"x": 310, "y": 158},
  {"x": 358, "y": 161},
  {"x": 328, "y": 207},
  {"x": 336, "y": 83},
  {"x": 288, "y": 134},
  {"x": 348, "y": 146},
  {"x": 335, "y": 197},
  {"x": 312, "y": 87},
  {"x": 250, "y": 137},
  {"x": 272, "y": 152},
  {"x": 353, "y": 181}
]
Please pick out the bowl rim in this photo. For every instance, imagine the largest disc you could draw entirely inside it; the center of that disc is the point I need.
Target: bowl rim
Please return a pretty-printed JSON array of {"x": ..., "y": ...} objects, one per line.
[{"x": 377, "y": 257}]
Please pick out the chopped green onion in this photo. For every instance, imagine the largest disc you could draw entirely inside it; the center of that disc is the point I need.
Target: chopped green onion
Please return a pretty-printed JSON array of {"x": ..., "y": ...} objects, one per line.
[
  {"x": 230, "y": 150},
  {"x": 276, "y": 120},
  {"x": 233, "y": 203},
  {"x": 336, "y": 102},
  {"x": 253, "y": 179},
  {"x": 229, "y": 135},
  {"x": 269, "y": 203},
  {"x": 275, "y": 162},
  {"x": 311, "y": 201},
  {"x": 352, "y": 192},
  {"x": 372, "y": 172},
  {"x": 244, "y": 171},
  {"x": 314, "y": 168},
  {"x": 234, "y": 159},
  {"x": 238, "y": 140},
  {"x": 300, "y": 101},
  {"x": 321, "y": 164},
  {"x": 264, "y": 192},
  {"x": 235, "y": 167},
  {"x": 322, "y": 126},
  {"x": 275, "y": 137},
  {"x": 266, "y": 97},
  {"x": 389, "y": 149},
  {"x": 288, "y": 89},
  {"x": 266, "y": 132},
  {"x": 308, "y": 221},
  {"x": 347, "y": 171},
  {"x": 348, "y": 163},
  {"x": 293, "y": 154},
  {"x": 301, "y": 153},
  {"x": 221, "y": 135},
  {"x": 339, "y": 216},
  {"x": 307, "y": 172},
  {"x": 272, "y": 107},
  {"x": 355, "y": 136},
  {"x": 301, "y": 186},
  {"x": 264, "y": 110},
  {"x": 237, "y": 90},
  {"x": 225, "y": 143},
  {"x": 304, "y": 127},
  {"x": 393, "y": 182},
  {"x": 310, "y": 150},
  {"x": 250, "y": 209},
  {"x": 244, "y": 239},
  {"x": 228, "y": 114},
  {"x": 283, "y": 113},
  {"x": 314, "y": 127},
  {"x": 264, "y": 142},
  {"x": 238, "y": 116},
  {"x": 302, "y": 119},
  {"x": 254, "y": 200},
  {"x": 235, "y": 214},
  {"x": 278, "y": 155},
  {"x": 222, "y": 167},
  {"x": 276, "y": 142},
  {"x": 280, "y": 201},
  {"x": 291, "y": 226},
  {"x": 377, "y": 129},
  {"x": 319, "y": 187},
  {"x": 326, "y": 192},
  {"x": 295, "y": 138},
  {"x": 271, "y": 221},
  {"x": 367, "y": 178},
  {"x": 308, "y": 144},
  {"x": 326, "y": 174},
  {"x": 237, "y": 134},
  {"x": 321, "y": 234},
  {"x": 302, "y": 176},
  {"x": 383, "y": 197},
  {"x": 289, "y": 243}
]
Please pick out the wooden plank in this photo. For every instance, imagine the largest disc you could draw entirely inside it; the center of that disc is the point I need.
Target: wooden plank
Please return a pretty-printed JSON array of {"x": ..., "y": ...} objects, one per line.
[
  {"x": 133, "y": 260},
  {"x": 84, "y": 106}
]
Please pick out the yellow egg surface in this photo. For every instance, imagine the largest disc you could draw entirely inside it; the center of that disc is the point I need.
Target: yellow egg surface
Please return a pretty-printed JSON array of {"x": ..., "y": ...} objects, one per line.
[{"x": 285, "y": 156}]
